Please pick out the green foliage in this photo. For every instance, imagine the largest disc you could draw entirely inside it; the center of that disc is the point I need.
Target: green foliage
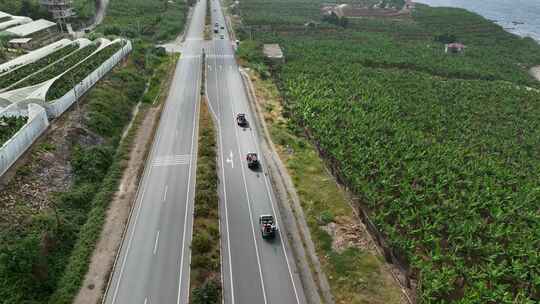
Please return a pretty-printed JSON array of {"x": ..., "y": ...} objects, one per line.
[
  {"x": 154, "y": 20},
  {"x": 208, "y": 293},
  {"x": 74, "y": 76},
  {"x": 32, "y": 8},
  {"x": 206, "y": 243},
  {"x": 326, "y": 217},
  {"x": 159, "y": 76},
  {"x": 18, "y": 74},
  {"x": 91, "y": 164},
  {"x": 29, "y": 8},
  {"x": 57, "y": 68},
  {"x": 201, "y": 243},
  {"x": 446, "y": 38},
  {"x": 251, "y": 52},
  {"x": 44, "y": 260},
  {"x": 9, "y": 125},
  {"x": 433, "y": 162},
  {"x": 442, "y": 150}
]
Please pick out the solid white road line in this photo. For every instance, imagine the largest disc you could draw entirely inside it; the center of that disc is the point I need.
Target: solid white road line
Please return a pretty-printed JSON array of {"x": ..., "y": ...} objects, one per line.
[
  {"x": 156, "y": 243},
  {"x": 195, "y": 117},
  {"x": 129, "y": 247},
  {"x": 224, "y": 193}
]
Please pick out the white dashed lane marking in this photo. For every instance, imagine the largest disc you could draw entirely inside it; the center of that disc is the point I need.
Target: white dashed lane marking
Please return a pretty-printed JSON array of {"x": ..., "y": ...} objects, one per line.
[{"x": 171, "y": 160}]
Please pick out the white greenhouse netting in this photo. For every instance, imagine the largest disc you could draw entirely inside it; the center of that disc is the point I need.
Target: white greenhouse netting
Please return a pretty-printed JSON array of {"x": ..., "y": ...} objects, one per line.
[{"x": 24, "y": 138}]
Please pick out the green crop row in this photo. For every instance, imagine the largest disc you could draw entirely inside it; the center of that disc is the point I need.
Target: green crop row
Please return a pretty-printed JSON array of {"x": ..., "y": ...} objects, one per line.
[
  {"x": 449, "y": 170},
  {"x": 65, "y": 83},
  {"x": 57, "y": 68},
  {"x": 22, "y": 72},
  {"x": 9, "y": 126}
]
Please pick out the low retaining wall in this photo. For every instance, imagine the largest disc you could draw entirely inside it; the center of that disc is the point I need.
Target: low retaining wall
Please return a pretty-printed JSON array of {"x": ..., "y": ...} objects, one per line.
[
  {"x": 25, "y": 137},
  {"x": 56, "y": 107}
]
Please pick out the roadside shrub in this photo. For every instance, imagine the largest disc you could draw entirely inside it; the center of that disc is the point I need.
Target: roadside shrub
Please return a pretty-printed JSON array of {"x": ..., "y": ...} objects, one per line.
[
  {"x": 207, "y": 197},
  {"x": 79, "y": 197},
  {"x": 91, "y": 164},
  {"x": 202, "y": 261},
  {"x": 213, "y": 229},
  {"x": 325, "y": 239},
  {"x": 201, "y": 242},
  {"x": 251, "y": 51},
  {"x": 326, "y": 217},
  {"x": 208, "y": 293},
  {"x": 202, "y": 210}
]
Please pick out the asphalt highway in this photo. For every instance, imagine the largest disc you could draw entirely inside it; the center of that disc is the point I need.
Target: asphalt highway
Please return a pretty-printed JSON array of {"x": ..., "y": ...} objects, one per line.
[
  {"x": 153, "y": 265},
  {"x": 154, "y": 262},
  {"x": 254, "y": 270}
]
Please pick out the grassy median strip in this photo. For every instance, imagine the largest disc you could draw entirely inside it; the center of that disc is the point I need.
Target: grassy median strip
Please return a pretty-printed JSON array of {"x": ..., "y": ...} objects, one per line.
[{"x": 205, "y": 261}]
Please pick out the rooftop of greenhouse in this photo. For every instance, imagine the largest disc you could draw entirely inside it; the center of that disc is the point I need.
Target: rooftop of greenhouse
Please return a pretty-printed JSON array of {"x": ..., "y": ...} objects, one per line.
[
  {"x": 14, "y": 21},
  {"x": 20, "y": 40},
  {"x": 4, "y": 15},
  {"x": 31, "y": 28}
]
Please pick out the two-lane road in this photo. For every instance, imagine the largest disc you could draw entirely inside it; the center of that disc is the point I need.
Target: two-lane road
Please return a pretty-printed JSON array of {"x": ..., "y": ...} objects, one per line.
[
  {"x": 153, "y": 265},
  {"x": 254, "y": 270}
]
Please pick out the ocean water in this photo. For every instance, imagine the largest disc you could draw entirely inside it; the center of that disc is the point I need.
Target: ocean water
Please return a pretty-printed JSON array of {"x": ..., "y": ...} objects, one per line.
[{"x": 521, "y": 17}]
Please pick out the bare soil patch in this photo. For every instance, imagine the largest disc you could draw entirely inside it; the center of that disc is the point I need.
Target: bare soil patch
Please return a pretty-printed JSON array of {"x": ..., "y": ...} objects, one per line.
[{"x": 346, "y": 232}]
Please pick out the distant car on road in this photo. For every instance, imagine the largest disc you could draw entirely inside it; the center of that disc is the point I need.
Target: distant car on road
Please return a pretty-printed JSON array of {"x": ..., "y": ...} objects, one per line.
[
  {"x": 222, "y": 27},
  {"x": 222, "y": 36},
  {"x": 216, "y": 31},
  {"x": 252, "y": 160},
  {"x": 241, "y": 120},
  {"x": 268, "y": 226}
]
